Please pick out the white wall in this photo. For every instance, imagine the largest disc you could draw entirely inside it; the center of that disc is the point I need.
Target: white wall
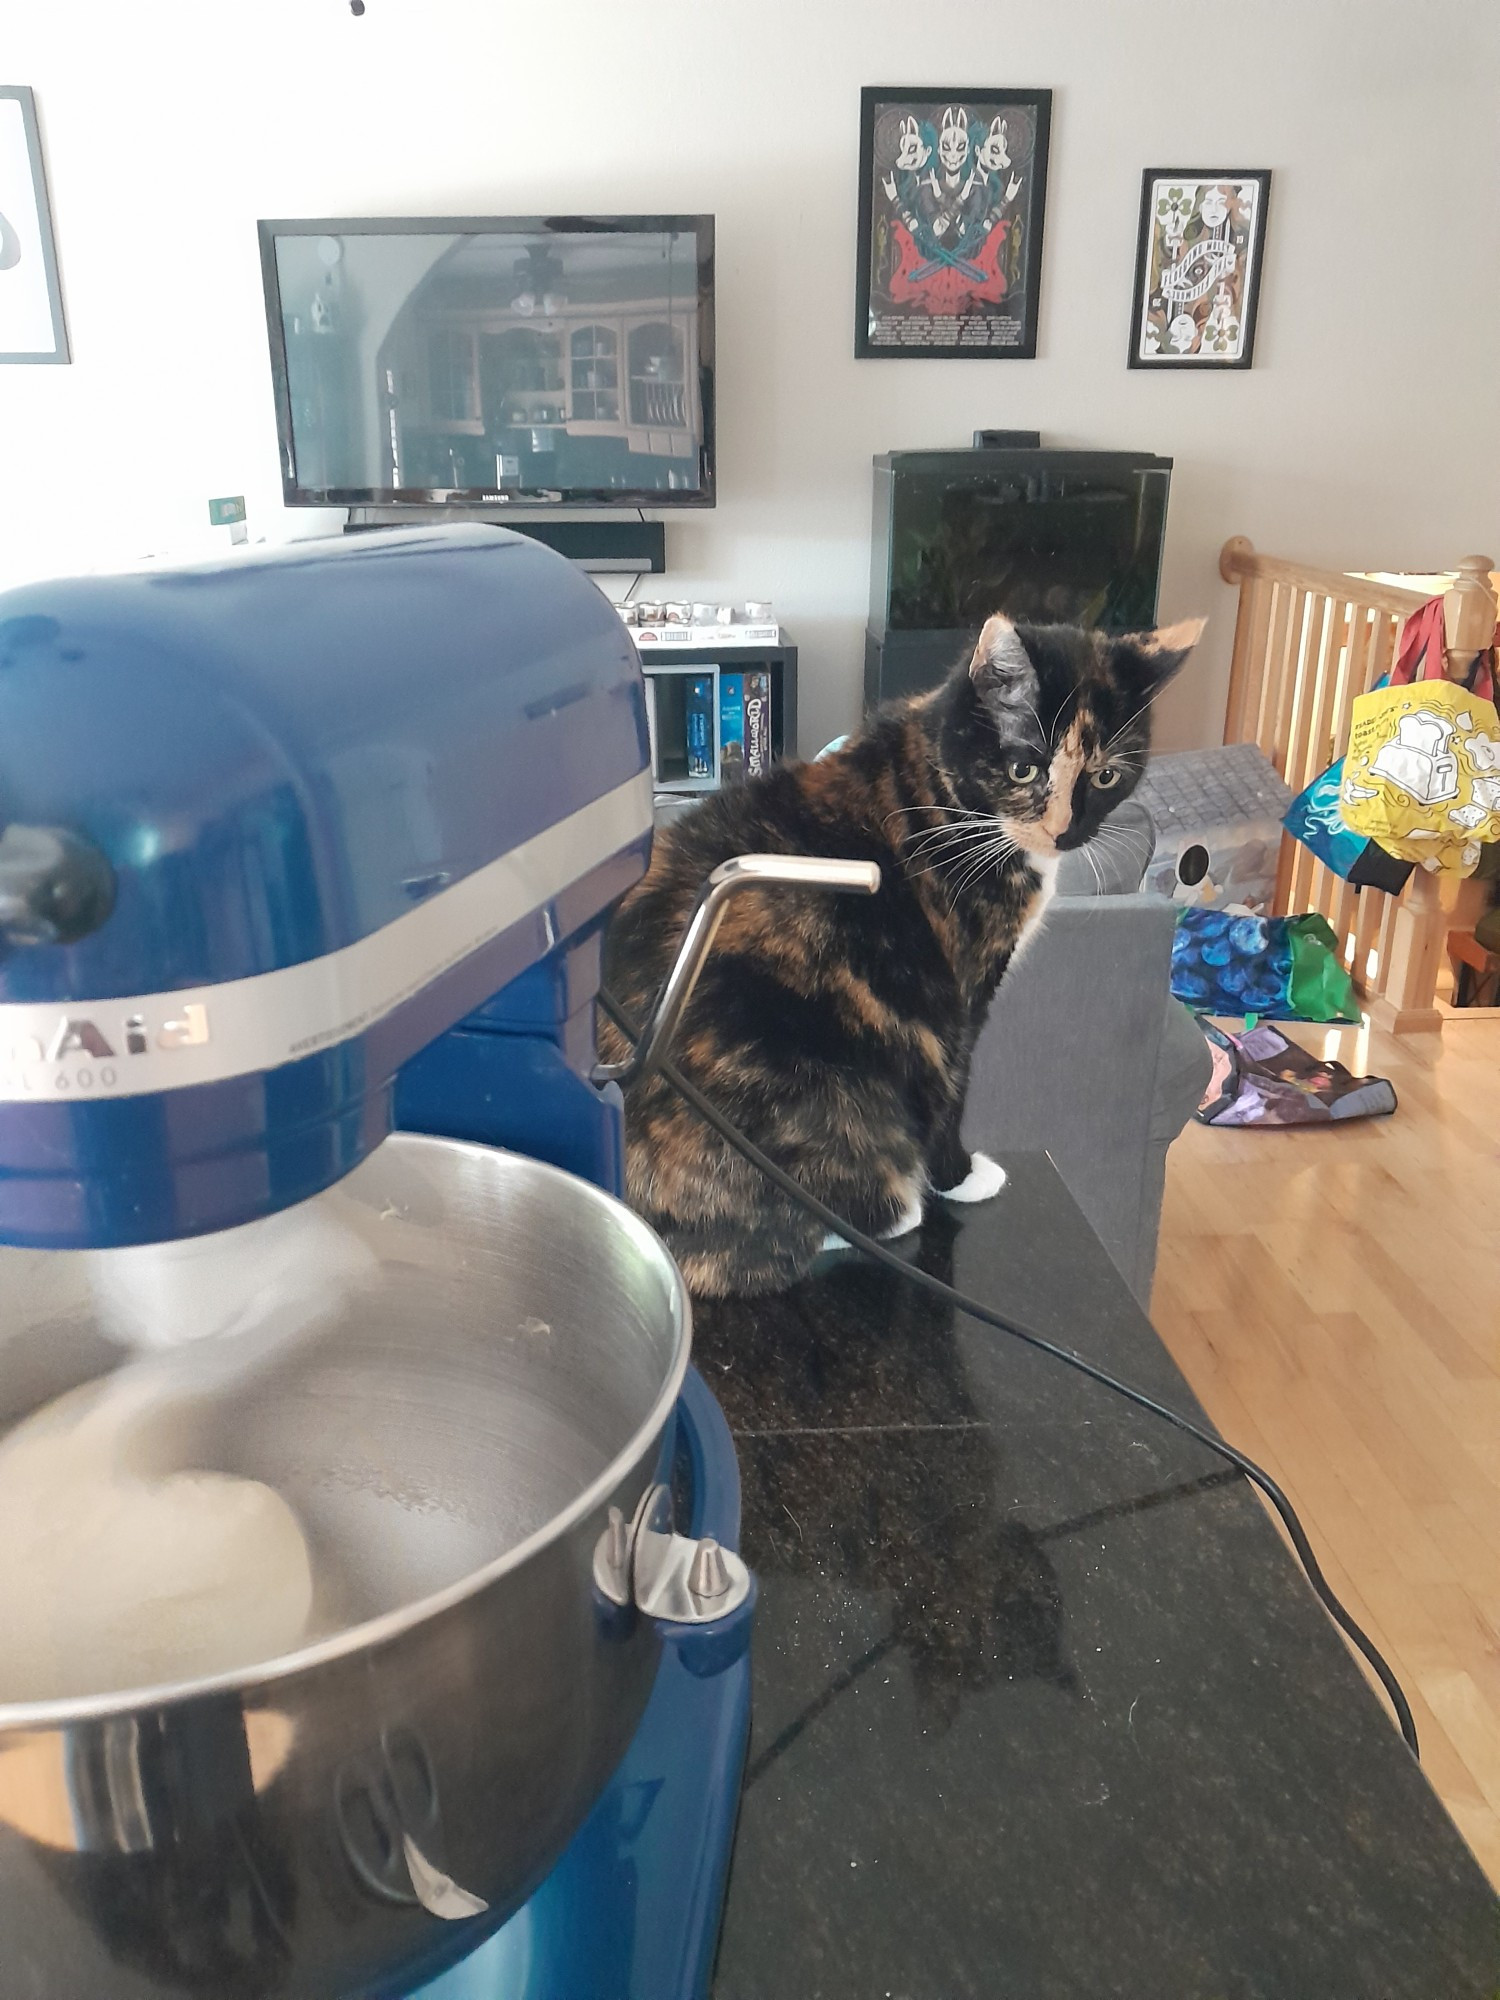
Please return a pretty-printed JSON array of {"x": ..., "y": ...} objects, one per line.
[{"x": 1365, "y": 434}]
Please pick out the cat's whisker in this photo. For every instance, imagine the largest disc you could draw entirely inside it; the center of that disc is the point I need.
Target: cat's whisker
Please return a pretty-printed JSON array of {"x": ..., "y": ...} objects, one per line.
[
  {"x": 1128, "y": 844},
  {"x": 1046, "y": 735},
  {"x": 980, "y": 820},
  {"x": 936, "y": 839},
  {"x": 1126, "y": 836},
  {"x": 949, "y": 826},
  {"x": 1106, "y": 849},
  {"x": 943, "y": 858},
  {"x": 998, "y": 851},
  {"x": 990, "y": 829},
  {"x": 984, "y": 825},
  {"x": 932, "y": 805},
  {"x": 935, "y": 857},
  {"x": 955, "y": 891},
  {"x": 958, "y": 812},
  {"x": 929, "y": 840},
  {"x": 958, "y": 859},
  {"x": 1138, "y": 713},
  {"x": 983, "y": 867},
  {"x": 981, "y": 845},
  {"x": 1131, "y": 835}
]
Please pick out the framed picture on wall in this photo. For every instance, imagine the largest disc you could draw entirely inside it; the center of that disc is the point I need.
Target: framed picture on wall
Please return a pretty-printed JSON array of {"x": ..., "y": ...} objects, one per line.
[
  {"x": 952, "y": 188},
  {"x": 1197, "y": 267},
  {"x": 31, "y": 315}
]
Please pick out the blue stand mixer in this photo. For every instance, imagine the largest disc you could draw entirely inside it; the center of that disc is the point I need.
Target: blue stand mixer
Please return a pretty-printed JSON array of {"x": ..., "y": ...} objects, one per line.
[{"x": 305, "y": 860}]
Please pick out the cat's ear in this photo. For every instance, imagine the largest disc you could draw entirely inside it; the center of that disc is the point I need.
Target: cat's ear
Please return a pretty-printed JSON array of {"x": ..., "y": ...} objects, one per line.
[
  {"x": 1150, "y": 659},
  {"x": 1001, "y": 665}
]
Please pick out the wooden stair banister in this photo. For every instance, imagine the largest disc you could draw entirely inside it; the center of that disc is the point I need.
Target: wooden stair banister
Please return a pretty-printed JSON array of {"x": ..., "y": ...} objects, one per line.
[{"x": 1239, "y": 560}]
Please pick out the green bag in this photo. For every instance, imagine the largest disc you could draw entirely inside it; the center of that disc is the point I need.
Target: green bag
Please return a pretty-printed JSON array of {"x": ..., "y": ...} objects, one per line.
[{"x": 1321, "y": 990}]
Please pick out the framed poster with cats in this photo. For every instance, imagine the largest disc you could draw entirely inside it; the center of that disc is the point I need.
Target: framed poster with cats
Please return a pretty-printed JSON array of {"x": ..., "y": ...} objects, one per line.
[
  {"x": 952, "y": 189},
  {"x": 1197, "y": 267},
  {"x": 31, "y": 315}
]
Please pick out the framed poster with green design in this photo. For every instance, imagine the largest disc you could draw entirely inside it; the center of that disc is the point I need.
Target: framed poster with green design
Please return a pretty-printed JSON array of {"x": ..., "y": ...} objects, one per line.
[
  {"x": 952, "y": 187},
  {"x": 1198, "y": 259}
]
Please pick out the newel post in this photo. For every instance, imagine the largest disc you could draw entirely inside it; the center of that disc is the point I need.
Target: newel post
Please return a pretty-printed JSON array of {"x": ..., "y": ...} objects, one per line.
[
  {"x": 1432, "y": 905},
  {"x": 1468, "y": 615}
]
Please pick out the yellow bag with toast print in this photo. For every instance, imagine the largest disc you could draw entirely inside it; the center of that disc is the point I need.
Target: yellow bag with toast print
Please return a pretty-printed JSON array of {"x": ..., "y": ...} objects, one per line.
[{"x": 1422, "y": 773}]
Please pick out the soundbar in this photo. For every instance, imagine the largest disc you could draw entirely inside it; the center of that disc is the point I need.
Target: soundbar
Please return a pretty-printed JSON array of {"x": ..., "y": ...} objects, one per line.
[{"x": 621, "y": 548}]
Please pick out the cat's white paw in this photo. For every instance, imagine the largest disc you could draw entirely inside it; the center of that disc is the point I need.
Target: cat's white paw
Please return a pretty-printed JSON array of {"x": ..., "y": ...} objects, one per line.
[
  {"x": 982, "y": 1182},
  {"x": 909, "y": 1219}
]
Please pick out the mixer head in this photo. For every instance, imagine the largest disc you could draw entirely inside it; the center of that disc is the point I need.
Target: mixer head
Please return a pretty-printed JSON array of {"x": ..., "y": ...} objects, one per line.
[{"x": 270, "y": 828}]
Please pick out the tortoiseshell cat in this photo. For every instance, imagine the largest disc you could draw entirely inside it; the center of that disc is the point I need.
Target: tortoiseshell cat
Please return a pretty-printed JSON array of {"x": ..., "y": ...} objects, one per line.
[{"x": 837, "y": 1030}]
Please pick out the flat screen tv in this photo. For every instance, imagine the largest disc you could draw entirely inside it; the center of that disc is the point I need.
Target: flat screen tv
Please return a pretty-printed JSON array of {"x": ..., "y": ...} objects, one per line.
[{"x": 466, "y": 362}]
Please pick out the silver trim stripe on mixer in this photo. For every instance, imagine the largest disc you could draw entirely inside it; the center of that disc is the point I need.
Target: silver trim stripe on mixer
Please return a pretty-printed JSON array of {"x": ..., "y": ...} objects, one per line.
[{"x": 149, "y": 1042}]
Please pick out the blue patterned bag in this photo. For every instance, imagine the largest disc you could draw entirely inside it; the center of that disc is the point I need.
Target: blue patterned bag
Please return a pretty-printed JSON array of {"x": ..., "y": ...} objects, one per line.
[{"x": 1284, "y": 967}]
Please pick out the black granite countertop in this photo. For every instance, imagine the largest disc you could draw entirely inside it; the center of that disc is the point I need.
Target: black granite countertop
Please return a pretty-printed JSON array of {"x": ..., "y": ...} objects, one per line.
[{"x": 1042, "y": 1704}]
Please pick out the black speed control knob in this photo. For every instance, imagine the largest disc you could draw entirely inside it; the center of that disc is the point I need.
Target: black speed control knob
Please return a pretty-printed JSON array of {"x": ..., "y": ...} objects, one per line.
[{"x": 55, "y": 886}]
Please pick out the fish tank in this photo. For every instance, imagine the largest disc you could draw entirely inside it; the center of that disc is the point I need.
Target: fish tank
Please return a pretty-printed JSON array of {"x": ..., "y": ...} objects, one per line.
[{"x": 1050, "y": 536}]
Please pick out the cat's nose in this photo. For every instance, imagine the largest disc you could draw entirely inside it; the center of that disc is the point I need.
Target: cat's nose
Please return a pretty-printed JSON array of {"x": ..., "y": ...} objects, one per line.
[{"x": 1075, "y": 836}]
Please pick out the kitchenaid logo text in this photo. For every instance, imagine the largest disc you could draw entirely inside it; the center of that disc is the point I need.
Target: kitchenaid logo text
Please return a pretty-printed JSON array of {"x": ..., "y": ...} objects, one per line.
[{"x": 92, "y": 1048}]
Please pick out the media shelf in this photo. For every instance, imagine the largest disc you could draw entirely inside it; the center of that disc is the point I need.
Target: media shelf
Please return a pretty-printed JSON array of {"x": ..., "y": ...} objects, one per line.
[{"x": 717, "y": 715}]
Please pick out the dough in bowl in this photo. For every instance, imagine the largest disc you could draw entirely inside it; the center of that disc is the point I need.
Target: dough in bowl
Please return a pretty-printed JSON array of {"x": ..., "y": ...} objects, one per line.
[{"x": 112, "y": 1579}]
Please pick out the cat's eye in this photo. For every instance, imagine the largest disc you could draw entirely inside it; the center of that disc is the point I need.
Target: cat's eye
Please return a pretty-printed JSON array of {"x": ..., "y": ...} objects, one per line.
[
  {"x": 1022, "y": 773},
  {"x": 1108, "y": 778}
]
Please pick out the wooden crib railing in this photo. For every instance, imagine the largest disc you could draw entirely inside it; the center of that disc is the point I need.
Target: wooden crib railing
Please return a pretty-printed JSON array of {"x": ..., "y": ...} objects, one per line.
[{"x": 1306, "y": 642}]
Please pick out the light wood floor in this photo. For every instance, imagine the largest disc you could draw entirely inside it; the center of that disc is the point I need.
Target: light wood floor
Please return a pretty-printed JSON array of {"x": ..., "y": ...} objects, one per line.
[{"x": 1334, "y": 1298}]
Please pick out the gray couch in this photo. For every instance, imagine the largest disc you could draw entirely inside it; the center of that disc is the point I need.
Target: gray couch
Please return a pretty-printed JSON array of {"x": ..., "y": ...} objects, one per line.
[{"x": 1086, "y": 1057}]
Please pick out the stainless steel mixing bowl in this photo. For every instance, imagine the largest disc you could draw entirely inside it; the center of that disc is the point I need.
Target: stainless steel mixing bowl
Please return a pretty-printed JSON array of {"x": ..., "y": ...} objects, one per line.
[{"x": 353, "y": 1817}]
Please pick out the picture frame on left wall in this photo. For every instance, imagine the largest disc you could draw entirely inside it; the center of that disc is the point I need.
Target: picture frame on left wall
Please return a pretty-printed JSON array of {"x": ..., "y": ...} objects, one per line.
[{"x": 32, "y": 327}]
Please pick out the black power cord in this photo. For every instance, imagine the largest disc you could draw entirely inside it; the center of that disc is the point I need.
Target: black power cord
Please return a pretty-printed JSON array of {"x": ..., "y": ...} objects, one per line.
[{"x": 987, "y": 1316}]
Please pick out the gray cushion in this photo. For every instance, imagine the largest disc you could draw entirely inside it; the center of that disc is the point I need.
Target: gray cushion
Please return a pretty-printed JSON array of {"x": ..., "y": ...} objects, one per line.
[
  {"x": 1114, "y": 862},
  {"x": 1085, "y": 1056}
]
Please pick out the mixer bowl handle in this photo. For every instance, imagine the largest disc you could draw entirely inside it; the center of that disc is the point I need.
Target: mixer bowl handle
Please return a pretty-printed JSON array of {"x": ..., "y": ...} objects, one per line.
[
  {"x": 745, "y": 871},
  {"x": 705, "y": 1443},
  {"x": 695, "y": 1585}
]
